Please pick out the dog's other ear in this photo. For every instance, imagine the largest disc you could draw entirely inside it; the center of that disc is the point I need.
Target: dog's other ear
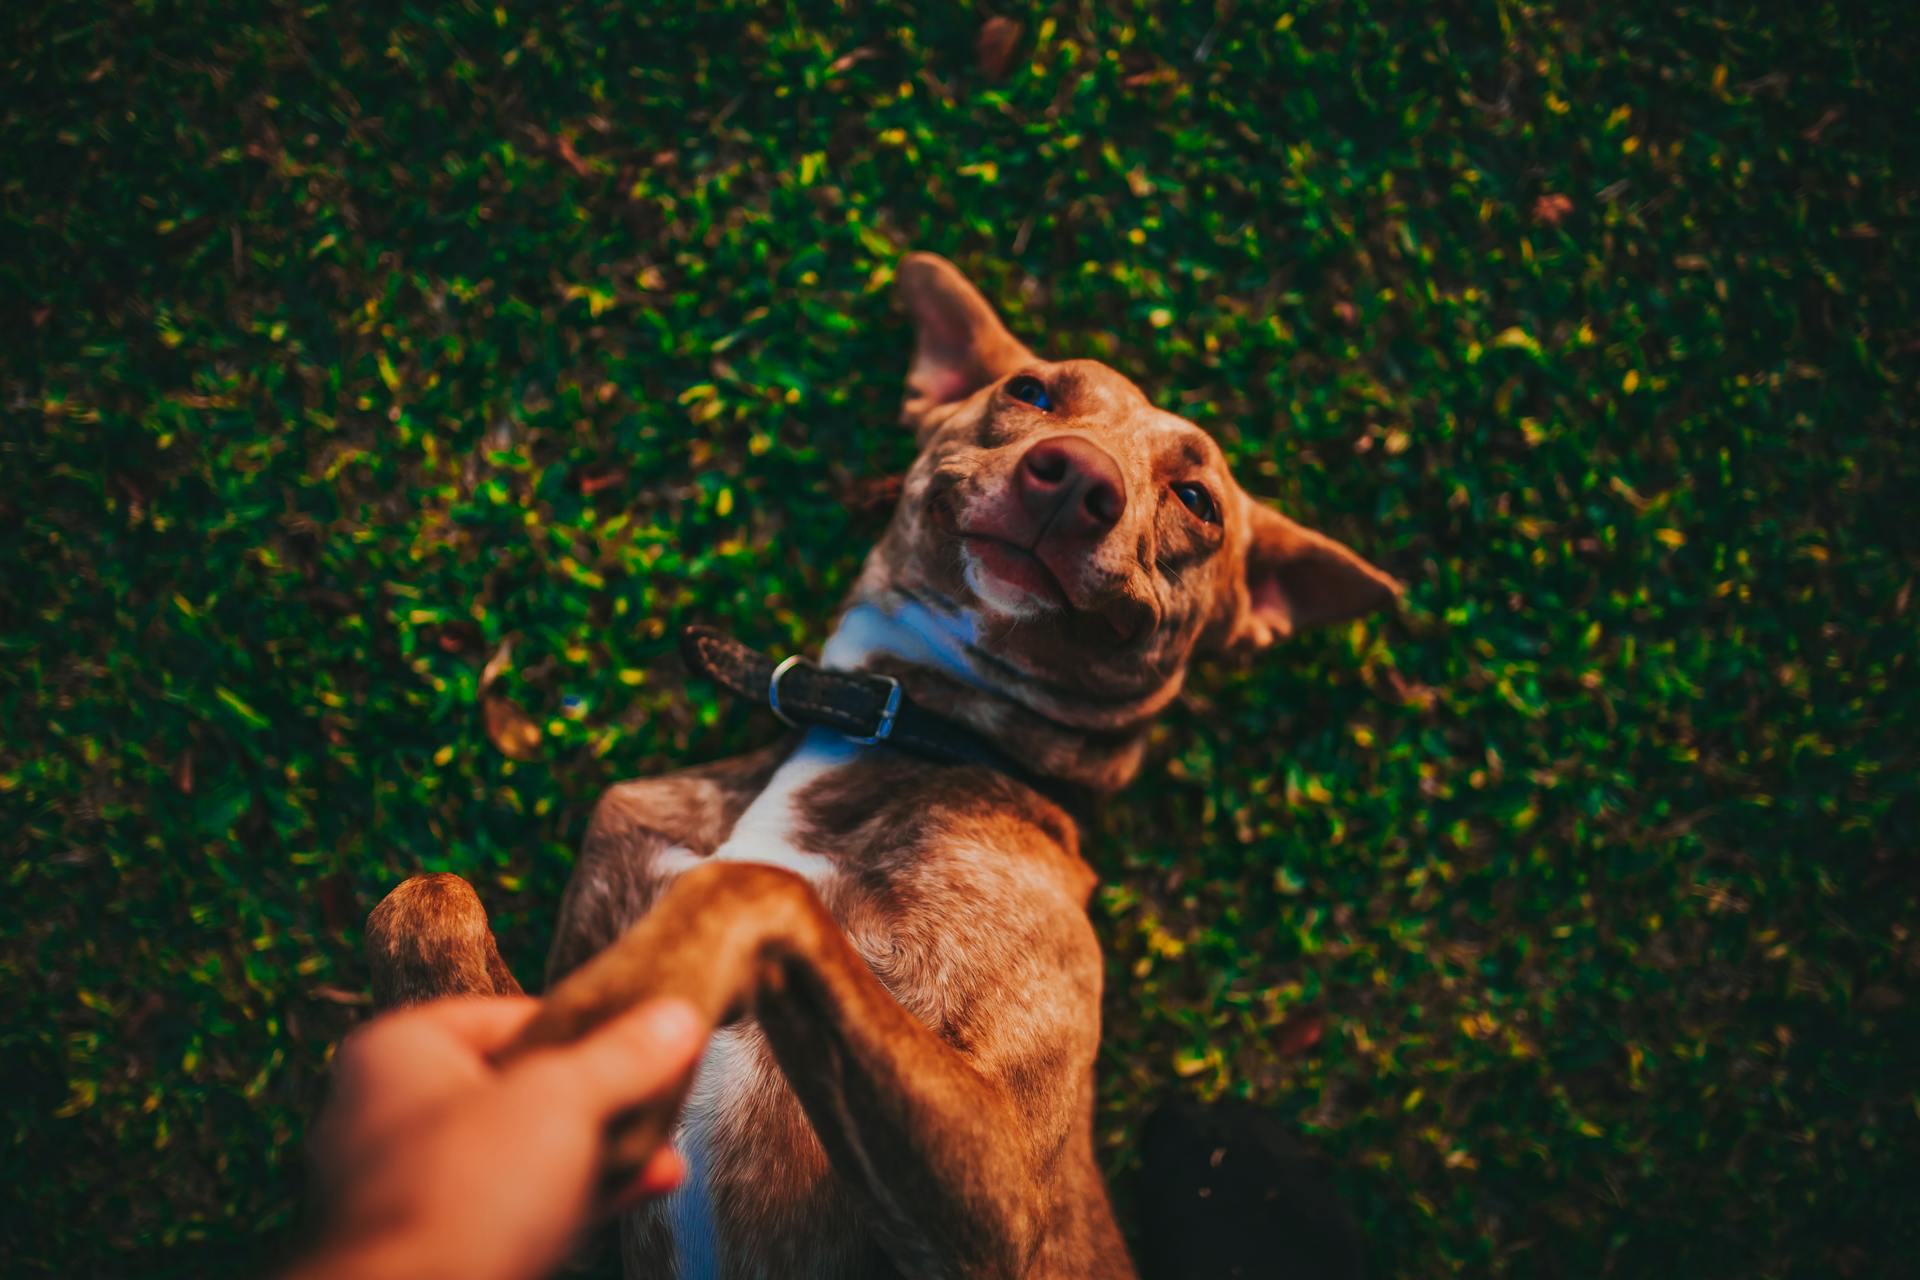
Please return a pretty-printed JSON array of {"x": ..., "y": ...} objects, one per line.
[
  {"x": 959, "y": 343},
  {"x": 1297, "y": 578}
]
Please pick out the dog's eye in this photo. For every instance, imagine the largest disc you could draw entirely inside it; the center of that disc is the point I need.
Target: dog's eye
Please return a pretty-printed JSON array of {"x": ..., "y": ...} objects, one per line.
[
  {"x": 1197, "y": 500},
  {"x": 1029, "y": 390}
]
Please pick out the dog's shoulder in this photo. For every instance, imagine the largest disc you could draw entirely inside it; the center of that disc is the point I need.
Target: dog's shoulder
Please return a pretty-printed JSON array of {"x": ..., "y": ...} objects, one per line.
[
  {"x": 694, "y": 807},
  {"x": 960, "y": 886},
  {"x": 633, "y": 825},
  {"x": 890, "y": 816}
]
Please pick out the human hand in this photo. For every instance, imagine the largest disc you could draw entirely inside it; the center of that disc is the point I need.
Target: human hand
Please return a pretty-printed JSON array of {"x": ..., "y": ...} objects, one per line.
[{"x": 436, "y": 1163}]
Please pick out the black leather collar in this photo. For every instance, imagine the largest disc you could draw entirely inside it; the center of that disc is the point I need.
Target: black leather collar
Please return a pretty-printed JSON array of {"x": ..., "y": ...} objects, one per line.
[{"x": 870, "y": 709}]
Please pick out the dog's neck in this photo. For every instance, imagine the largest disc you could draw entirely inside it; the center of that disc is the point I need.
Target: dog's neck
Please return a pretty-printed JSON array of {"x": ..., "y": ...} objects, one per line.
[{"x": 931, "y": 649}]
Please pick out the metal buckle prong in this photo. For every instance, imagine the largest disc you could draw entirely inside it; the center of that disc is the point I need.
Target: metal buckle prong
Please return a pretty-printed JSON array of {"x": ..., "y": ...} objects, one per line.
[{"x": 887, "y": 714}]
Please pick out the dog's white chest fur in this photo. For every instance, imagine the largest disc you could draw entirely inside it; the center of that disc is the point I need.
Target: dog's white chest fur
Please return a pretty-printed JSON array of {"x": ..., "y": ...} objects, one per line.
[{"x": 768, "y": 831}]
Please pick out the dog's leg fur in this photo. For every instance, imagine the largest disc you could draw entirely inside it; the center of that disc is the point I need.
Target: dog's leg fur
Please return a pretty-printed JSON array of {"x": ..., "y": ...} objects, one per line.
[
  {"x": 931, "y": 998},
  {"x": 430, "y": 938},
  {"x": 931, "y": 1141}
]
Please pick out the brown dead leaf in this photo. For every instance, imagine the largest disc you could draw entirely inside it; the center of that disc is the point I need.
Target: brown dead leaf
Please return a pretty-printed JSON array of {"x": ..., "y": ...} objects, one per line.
[
  {"x": 1299, "y": 1033},
  {"x": 457, "y": 636},
  {"x": 594, "y": 479},
  {"x": 1826, "y": 121},
  {"x": 512, "y": 730},
  {"x": 564, "y": 145},
  {"x": 847, "y": 60},
  {"x": 340, "y": 995},
  {"x": 498, "y": 665},
  {"x": 999, "y": 38},
  {"x": 1549, "y": 209},
  {"x": 183, "y": 772},
  {"x": 1409, "y": 693}
]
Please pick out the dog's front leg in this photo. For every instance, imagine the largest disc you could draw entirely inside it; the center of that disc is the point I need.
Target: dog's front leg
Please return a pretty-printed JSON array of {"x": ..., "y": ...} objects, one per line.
[{"x": 936, "y": 1146}]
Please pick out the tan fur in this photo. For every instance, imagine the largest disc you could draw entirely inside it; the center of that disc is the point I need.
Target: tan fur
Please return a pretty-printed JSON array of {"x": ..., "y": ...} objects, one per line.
[
  {"x": 958, "y": 888},
  {"x": 896, "y": 954},
  {"x": 430, "y": 938},
  {"x": 613, "y": 880},
  {"x": 1254, "y": 577}
]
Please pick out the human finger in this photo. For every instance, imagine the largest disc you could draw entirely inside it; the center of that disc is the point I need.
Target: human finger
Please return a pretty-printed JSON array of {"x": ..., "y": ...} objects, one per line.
[
  {"x": 401, "y": 1064},
  {"x": 480, "y": 1023},
  {"x": 663, "y": 1171},
  {"x": 627, "y": 1061}
]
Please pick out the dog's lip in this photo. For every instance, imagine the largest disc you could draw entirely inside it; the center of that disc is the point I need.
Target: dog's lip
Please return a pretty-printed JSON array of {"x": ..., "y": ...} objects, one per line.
[
  {"x": 1109, "y": 612},
  {"x": 1027, "y": 559}
]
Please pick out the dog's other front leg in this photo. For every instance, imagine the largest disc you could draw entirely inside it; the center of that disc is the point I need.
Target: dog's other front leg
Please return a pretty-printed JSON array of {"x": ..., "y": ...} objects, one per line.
[
  {"x": 938, "y": 1148},
  {"x": 430, "y": 938}
]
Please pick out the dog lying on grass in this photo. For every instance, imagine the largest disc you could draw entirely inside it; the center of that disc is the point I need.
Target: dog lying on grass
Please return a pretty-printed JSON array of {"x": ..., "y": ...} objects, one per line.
[{"x": 884, "y": 915}]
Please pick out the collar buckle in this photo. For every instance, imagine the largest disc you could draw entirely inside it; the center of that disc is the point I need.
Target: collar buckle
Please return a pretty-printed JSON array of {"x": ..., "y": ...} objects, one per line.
[{"x": 888, "y": 713}]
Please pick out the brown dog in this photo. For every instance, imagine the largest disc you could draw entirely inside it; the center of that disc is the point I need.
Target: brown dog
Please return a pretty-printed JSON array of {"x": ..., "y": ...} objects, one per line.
[{"x": 894, "y": 942}]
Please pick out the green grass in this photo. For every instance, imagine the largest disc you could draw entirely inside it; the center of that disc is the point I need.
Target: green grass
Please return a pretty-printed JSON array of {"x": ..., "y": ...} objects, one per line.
[{"x": 341, "y": 346}]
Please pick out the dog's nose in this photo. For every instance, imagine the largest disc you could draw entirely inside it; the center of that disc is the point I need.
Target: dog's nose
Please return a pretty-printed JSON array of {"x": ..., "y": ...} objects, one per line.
[{"x": 1073, "y": 485}]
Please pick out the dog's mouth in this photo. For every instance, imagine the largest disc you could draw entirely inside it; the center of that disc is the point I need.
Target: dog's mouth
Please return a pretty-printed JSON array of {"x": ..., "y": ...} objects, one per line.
[
  {"x": 1017, "y": 567},
  {"x": 1027, "y": 585}
]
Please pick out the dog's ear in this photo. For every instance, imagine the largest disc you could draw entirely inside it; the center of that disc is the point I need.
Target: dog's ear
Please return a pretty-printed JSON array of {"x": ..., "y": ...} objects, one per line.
[
  {"x": 1297, "y": 578},
  {"x": 959, "y": 343}
]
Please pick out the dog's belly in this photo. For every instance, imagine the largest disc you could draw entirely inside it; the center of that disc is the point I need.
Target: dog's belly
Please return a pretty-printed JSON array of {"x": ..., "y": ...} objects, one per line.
[
  {"x": 760, "y": 1198},
  {"x": 957, "y": 887}
]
